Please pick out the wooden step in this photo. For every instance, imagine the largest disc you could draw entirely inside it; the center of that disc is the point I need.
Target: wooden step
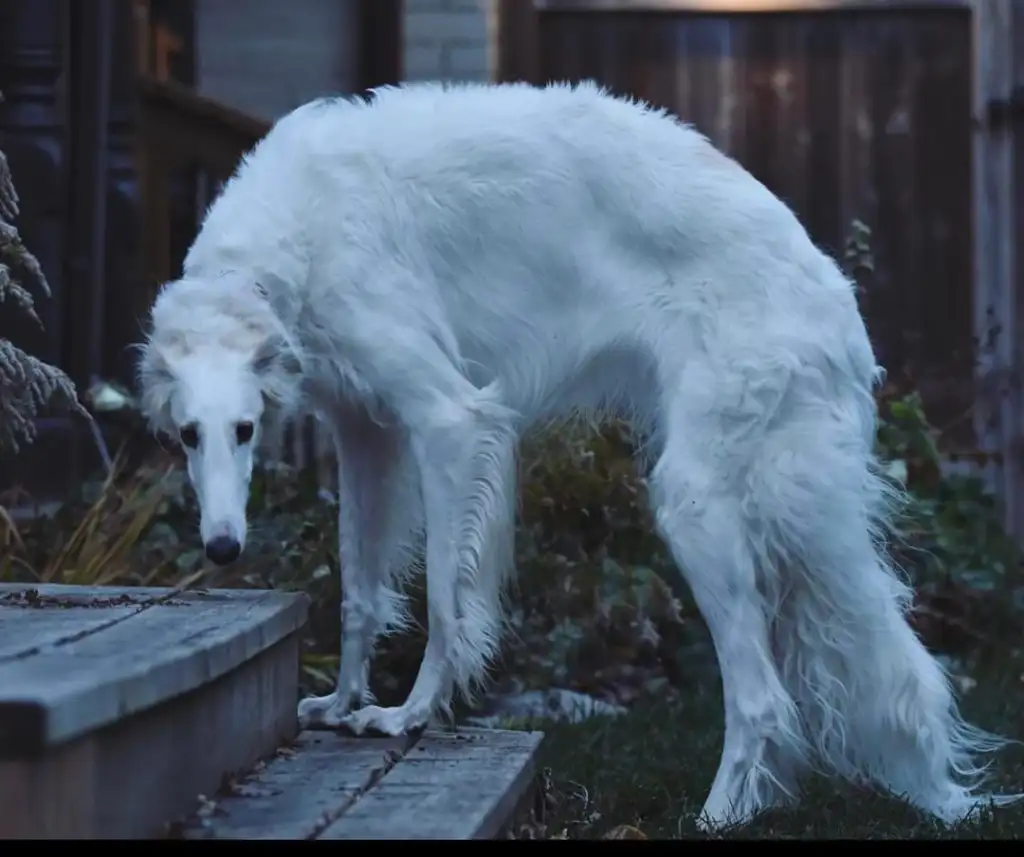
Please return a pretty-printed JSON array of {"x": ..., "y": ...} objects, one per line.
[
  {"x": 119, "y": 705},
  {"x": 444, "y": 785}
]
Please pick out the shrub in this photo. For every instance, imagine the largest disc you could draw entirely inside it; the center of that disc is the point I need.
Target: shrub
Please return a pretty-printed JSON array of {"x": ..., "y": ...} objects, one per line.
[{"x": 26, "y": 383}]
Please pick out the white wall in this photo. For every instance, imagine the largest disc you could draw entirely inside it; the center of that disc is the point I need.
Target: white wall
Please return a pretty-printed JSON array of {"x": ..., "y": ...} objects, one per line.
[
  {"x": 448, "y": 39},
  {"x": 267, "y": 57}
]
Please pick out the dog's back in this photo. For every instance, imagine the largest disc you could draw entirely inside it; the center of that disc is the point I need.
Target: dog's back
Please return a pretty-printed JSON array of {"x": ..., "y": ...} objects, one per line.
[{"x": 531, "y": 227}]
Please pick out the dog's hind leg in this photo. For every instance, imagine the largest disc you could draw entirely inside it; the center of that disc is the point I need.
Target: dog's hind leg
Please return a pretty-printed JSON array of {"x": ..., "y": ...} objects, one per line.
[
  {"x": 378, "y": 510},
  {"x": 698, "y": 508}
]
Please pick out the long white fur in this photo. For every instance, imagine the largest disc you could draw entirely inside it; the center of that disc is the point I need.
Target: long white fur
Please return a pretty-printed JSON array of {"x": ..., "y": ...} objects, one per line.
[{"x": 440, "y": 269}]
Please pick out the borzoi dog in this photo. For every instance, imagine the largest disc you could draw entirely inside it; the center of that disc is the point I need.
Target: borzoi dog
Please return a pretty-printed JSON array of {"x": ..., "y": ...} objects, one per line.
[{"x": 436, "y": 271}]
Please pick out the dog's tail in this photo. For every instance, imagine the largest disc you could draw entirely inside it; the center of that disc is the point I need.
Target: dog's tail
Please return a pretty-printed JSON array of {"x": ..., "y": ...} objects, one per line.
[{"x": 875, "y": 703}]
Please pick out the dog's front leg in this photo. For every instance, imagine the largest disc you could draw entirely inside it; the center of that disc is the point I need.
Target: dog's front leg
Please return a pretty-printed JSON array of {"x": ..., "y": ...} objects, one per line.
[
  {"x": 443, "y": 455},
  {"x": 372, "y": 524}
]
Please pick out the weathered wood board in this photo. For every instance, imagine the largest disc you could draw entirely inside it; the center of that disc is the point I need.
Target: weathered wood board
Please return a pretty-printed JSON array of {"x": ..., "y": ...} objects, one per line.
[
  {"x": 460, "y": 785},
  {"x": 119, "y": 705}
]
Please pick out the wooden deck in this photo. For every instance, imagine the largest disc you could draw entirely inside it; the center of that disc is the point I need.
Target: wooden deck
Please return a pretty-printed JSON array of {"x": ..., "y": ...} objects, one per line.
[
  {"x": 462, "y": 785},
  {"x": 119, "y": 706}
]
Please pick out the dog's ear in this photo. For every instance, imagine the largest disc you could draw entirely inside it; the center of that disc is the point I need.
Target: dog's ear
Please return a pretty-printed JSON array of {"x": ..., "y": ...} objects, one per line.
[
  {"x": 156, "y": 382},
  {"x": 277, "y": 366}
]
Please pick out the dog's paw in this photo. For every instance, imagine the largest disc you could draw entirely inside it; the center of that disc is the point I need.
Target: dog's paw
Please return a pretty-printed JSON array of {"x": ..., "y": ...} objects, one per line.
[
  {"x": 374, "y": 720},
  {"x": 323, "y": 712}
]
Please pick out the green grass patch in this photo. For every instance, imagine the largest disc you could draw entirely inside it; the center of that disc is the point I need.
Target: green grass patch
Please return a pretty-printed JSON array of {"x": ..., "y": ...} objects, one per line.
[{"x": 650, "y": 770}]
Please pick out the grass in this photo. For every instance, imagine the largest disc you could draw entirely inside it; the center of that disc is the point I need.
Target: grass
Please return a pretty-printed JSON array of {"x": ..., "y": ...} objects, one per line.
[{"x": 646, "y": 775}]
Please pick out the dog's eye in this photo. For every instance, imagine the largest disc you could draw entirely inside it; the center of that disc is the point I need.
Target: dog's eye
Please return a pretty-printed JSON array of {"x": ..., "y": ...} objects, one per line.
[
  {"x": 189, "y": 437},
  {"x": 243, "y": 433}
]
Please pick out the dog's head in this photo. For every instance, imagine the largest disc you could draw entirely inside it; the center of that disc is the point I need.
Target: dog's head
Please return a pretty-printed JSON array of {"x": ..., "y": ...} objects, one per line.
[{"x": 215, "y": 359}]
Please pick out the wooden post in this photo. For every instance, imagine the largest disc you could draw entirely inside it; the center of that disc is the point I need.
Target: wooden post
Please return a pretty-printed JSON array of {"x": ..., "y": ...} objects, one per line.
[
  {"x": 380, "y": 42},
  {"x": 89, "y": 73},
  {"x": 998, "y": 402},
  {"x": 518, "y": 50},
  {"x": 128, "y": 301},
  {"x": 1015, "y": 470},
  {"x": 140, "y": 13}
]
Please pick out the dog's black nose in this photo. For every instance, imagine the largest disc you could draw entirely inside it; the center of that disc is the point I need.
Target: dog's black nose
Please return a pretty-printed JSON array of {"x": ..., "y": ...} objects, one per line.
[{"x": 223, "y": 550}]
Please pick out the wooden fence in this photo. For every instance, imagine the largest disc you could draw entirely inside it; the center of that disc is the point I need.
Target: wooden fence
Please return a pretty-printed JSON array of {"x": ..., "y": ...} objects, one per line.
[{"x": 897, "y": 113}]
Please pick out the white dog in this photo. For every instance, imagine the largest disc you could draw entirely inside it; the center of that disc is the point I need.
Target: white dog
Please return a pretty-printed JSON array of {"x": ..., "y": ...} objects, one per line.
[{"x": 437, "y": 270}]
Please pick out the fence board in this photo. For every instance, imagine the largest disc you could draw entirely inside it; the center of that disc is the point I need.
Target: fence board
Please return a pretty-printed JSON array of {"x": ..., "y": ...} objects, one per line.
[{"x": 995, "y": 419}]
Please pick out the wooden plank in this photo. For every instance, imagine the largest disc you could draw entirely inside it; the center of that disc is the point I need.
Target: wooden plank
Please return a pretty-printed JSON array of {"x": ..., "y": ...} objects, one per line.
[
  {"x": 92, "y": 595},
  {"x": 24, "y": 631},
  {"x": 74, "y": 613},
  {"x": 84, "y": 681},
  {"x": 517, "y": 43},
  {"x": 380, "y": 42},
  {"x": 828, "y": 47},
  {"x": 941, "y": 298},
  {"x": 464, "y": 785},
  {"x": 301, "y": 791},
  {"x": 1015, "y": 466},
  {"x": 994, "y": 250},
  {"x": 128, "y": 779}
]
